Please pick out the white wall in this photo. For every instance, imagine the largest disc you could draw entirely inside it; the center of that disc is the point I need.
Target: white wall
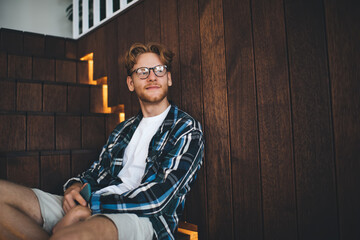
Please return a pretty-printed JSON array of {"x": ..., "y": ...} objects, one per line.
[{"x": 38, "y": 16}]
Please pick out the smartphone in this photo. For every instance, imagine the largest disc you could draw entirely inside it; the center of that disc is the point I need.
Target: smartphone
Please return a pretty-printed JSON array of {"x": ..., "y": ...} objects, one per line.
[{"x": 86, "y": 192}]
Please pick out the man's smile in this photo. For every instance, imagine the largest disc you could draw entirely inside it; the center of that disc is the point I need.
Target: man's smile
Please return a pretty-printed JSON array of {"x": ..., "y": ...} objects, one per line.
[{"x": 149, "y": 87}]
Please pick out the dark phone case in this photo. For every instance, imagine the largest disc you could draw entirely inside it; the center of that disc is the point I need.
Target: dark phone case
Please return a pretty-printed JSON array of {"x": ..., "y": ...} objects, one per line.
[{"x": 86, "y": 192}]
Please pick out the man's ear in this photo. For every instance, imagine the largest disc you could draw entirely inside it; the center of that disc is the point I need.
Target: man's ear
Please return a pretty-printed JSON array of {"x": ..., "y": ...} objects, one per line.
[
  {"x": 169, "y": 79},
  {"x": 130, "y": 83}
]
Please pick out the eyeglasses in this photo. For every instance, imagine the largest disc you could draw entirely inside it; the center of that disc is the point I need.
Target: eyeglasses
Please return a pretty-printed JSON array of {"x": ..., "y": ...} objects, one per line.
[{"x": 144, "y": 72}]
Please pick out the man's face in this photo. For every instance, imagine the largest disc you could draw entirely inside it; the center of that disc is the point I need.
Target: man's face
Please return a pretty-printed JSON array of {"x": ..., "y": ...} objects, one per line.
[{"x": 152, "y": 89}]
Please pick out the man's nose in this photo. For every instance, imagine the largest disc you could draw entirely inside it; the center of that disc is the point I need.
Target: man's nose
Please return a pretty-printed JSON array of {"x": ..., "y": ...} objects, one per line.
[{"x": 152, "y": 75}]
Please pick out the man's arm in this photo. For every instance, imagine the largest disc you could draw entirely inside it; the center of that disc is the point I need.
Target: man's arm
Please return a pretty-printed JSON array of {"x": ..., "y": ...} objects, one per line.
[{"x": 176, "y": 172}]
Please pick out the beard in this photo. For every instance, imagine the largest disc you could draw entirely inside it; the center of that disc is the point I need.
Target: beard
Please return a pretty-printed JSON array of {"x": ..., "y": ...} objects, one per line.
[{"x": 152, "y": 98}]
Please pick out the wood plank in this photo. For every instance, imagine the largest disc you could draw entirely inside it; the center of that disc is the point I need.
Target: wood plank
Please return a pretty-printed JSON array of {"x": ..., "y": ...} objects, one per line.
[
  {"x": 81, "y": 160},
  {"x": 3, "y": 65},
  {"x": 96, "y": 99},
  {"x": 111, "y": 58},
  {"x": 67, "y": 132},
  {"x": 243, "y": 120},
  {"x": 40, "y": 131},
  {"x": 152, "y": 21},
  {"x": 7, "y": 93},
  {"x": 54, "y": 98},
  {"x": 43, "y": 69},
  {"x": 54, "y": 47},
  {"x": 34, "y": 44},
  {"x": 218, "y": 167},
  {"x": 23, "y": 168},
  {"x": 312, "y": 126},
  {"x": 343, "y": 36},
  {"x": 11, "y": 41},
  {"x": 13, "y": 132},
  {"x": 55, "y": 171},
  {"x": 65, "y": 71},
  {"x": 190, "y": 65},
  {"x": 78, "y": 99},
  {"x": 29, "y": 96},
  {"x": 70, "y": 49},
  {"x": 277, "y": 166},
  {"x": 93, "y": 132},
  {"x": 170, "y": 38},
  {"x": 19, "y": 67}
]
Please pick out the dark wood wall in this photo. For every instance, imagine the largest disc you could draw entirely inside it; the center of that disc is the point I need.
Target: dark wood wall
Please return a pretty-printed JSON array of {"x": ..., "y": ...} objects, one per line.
[
  {"x": 52, "y": 122},
  {"x": 276, "y": 86}
]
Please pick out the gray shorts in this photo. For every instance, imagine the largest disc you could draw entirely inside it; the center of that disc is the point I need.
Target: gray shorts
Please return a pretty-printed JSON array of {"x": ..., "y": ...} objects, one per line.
[{"x": 129, "y": 226}]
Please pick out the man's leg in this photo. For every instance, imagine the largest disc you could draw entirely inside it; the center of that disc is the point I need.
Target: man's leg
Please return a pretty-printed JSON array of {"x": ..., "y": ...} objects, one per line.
[
  {"x": 97, "y": 227},
  {"x": 20, "y": 216}
]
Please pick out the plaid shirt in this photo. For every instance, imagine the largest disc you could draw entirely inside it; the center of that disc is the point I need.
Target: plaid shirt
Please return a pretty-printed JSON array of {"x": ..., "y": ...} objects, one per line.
[{"x": 174, "y": 157}]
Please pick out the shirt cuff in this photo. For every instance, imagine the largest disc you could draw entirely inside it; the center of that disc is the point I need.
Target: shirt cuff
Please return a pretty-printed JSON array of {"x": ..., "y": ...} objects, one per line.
[{"x": 95, "y": 203}]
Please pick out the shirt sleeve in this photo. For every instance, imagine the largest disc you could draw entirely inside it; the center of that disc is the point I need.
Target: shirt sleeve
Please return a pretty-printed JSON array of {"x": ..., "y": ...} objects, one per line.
[{"x": 176, "y": 171}]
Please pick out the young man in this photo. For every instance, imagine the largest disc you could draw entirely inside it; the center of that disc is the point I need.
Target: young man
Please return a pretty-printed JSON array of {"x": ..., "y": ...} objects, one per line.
[{"x": 138, "y": 184}]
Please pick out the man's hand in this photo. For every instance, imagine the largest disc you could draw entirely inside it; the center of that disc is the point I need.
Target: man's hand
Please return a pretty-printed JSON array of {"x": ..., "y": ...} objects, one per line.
[
  {"x": 77, "y": 214},
  {"x": 71, "y": 195}
]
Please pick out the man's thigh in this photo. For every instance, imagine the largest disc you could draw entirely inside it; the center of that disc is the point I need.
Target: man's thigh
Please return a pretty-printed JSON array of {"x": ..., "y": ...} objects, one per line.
[
  {"x": 94, "y": 228},
  {"x": 110, "y": 227},
  {"x": 130, "y": 226},
  {"x": 22, "y": 198},
  {"x": 51, "y": 208}
]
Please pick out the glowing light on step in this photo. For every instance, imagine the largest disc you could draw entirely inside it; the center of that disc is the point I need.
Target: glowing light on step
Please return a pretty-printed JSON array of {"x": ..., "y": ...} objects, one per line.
[{"x": 118, "y": 109}]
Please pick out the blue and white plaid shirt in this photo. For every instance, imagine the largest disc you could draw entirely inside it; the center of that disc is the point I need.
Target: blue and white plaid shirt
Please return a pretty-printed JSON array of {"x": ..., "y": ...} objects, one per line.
[{"x": 175, "y": 155}]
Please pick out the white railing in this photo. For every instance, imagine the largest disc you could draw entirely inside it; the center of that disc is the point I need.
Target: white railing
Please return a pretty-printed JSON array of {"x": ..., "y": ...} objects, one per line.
[{"x": 81, "y": 16}]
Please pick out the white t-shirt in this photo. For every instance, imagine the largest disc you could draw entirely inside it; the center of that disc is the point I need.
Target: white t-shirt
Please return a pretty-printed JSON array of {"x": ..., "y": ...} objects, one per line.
[{"x": 134, "y": 161}]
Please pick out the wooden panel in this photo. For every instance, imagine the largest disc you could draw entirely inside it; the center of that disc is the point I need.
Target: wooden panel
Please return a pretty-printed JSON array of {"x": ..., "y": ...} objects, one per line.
[
  {"x": 67, "y": 132},
  {"x": 34, "y": 44},
  {"x": 343, "y": 36},
  {"x": 123, "y": 26},
  {"x": 312, "y": 127},
  {"x": 93, "y": 132},
  {"x": 19, "y": 67},
  {"x": 54, "y": 99},
  {"x": 13, "y": 132},
  {"x": 99, "y": 53},
  {"x": 54, "y": 47},
  {"x": 279, "y": 205},
  {"x": 65, "y": 71},
  {"x": 23, "y": 168},
  {"x": 7, "y": 93},
  {"x": 112, "y": 70},
  {"x": 55, "y": 171},
  {"x": 40, "y": 132},
  {"x": 82, "y": 160},
  {"x": 44, "y": 69},
  {"x": 11, "y": 41},
  {"x": 82, "y": 68},
  {"x": 96, "y": 99},
  {"x": 29, "y": 96},
  {"x": 218, "y": 167},
  {"x": 78, "y": 99},
  {"x": 190, "y": 65},
  {"x": 70, "y": 49},
  {"x": 112, "y": 120},
  {"x": 3, "y": 65},
  {"x": 152, "y": 21},
  {"x": 170, "y": 38},
  {"x": 243, "y": 120}
]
